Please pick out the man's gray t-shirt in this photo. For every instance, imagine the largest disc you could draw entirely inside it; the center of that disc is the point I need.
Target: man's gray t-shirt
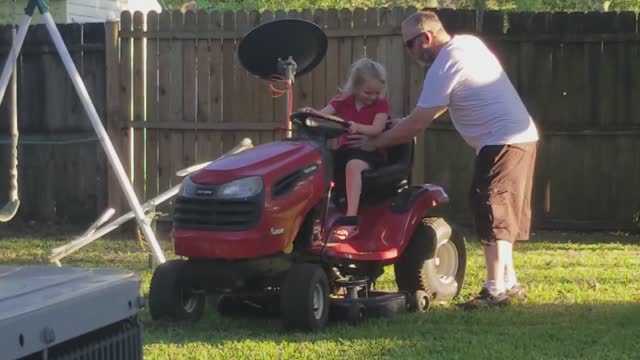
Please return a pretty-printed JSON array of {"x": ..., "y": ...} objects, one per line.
[{"x": 483, "y": 104}]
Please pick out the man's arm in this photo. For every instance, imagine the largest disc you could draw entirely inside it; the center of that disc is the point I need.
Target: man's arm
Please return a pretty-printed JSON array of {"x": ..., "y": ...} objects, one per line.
[
  {"x": 409, "y": 127},
  {"x": 377, "y": 128}
]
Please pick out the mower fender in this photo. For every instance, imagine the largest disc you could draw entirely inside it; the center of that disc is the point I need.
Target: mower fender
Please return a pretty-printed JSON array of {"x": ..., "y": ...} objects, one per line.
[
  {"x": 386, "y": 229},
  {"x": 408, "y": 198},
  {"x": 412, "y": 204}
]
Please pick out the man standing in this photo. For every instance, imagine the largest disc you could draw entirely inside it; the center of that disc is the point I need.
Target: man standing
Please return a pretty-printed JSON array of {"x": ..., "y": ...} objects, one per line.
[{"x": 466, "y": 78}]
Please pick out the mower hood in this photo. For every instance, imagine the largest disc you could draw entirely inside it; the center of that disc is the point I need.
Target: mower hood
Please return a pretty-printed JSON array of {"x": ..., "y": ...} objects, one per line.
[{"x": 261, "y": 160}]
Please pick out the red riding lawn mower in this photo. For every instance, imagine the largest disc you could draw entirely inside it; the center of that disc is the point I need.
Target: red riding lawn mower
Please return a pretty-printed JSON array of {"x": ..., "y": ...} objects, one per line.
[{"x": 254, "y": 228}]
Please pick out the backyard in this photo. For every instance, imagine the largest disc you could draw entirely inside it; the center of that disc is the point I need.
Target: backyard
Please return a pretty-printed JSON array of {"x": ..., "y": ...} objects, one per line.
[
  {"x": 583, "y": 302},
  {"x": 583, "y": 287}
]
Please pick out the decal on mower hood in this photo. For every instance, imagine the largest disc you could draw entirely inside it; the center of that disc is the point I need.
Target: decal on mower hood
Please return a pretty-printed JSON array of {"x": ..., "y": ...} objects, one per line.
[
  {"x": 204, "y": 192},
  {"x": 310, "y": 169},
  {"x": 277, "y": 231}
]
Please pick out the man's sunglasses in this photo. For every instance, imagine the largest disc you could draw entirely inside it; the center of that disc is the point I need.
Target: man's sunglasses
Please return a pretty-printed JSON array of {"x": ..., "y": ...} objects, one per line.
[{"x": 409, "y": 43}]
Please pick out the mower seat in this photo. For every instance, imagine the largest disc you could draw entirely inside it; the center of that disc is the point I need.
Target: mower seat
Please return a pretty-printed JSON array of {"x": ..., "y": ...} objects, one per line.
[
  {"x": 395, "y": 174},
  {"x": 385, "y": 181}
]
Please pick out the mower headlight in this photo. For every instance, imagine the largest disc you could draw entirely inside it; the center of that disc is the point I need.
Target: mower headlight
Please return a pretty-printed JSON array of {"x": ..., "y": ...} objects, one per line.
[
  {"x": 188, "y": 187},
  {"x": 242, "y": 188}
]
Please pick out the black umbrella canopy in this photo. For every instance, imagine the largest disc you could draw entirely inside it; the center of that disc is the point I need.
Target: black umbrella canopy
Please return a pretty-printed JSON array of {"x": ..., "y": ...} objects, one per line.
[{"x": 302, "y": 40}]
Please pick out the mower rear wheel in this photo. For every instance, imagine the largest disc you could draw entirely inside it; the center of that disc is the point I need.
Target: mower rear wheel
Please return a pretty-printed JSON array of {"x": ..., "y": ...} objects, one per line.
[
  {"x": 434, "y": 261},
  {"x": 169, "y": 299},
  {"x": 304, "y": 298}
]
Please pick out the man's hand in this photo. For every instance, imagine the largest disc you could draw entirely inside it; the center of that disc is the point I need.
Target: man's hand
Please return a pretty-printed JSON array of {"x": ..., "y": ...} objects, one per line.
[
  {"x": 308, "y": 110},
  {"x": 363, "y": 142},
  {"x": 395, "y": 122},
  {"x": 354, "y": 127}
]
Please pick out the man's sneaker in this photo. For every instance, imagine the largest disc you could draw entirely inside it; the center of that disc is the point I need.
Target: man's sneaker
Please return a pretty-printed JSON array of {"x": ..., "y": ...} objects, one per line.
[
  {"x": 485, "y": 299},
  {"x": 516, "y": 292}
]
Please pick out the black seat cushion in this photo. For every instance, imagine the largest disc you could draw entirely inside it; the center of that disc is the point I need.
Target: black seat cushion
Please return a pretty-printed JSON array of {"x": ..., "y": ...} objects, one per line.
[
  {"x": 384, "y": 181},
  {"x": 396, "y": 170}
]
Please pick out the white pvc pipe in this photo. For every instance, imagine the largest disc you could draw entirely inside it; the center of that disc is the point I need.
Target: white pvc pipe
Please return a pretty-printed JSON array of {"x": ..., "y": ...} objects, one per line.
[
  {"x": 132, "y": 199},
  {"x": 13, "y": 55},
  {"x": 243, "y": 145},
  {"x": 56, "y": 254},
  {"x": 101, "y": 220}
]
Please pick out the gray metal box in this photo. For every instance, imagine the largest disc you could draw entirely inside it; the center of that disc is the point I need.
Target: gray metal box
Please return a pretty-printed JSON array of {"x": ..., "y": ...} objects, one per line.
[{"x": 69, "y": 310}]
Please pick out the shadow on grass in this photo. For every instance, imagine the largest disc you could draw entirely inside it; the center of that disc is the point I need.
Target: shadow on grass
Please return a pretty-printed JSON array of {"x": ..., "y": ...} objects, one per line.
[
  {"x": 571, "y": 237},
  {"x": 549, "y": 330}
]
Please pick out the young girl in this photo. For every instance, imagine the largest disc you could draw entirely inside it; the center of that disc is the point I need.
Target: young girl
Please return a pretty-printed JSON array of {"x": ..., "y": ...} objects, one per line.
[{"x": 362, "y": 103}]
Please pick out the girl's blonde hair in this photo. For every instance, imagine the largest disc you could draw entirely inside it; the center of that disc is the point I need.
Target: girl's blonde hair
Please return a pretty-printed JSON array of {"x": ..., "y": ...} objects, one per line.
[{"x": 362, "y": 71}]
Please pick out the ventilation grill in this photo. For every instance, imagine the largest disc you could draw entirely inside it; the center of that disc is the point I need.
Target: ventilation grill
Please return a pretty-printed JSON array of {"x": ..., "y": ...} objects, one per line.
[
  {"x": 286, "y": 184},
  {"x": 217, "y": 215},
  {"x": 120, "y": 341}
]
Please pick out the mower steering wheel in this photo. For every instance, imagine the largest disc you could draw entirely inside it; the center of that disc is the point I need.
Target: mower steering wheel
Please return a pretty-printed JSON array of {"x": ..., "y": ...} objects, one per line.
[{"x": 300, "y": 117}]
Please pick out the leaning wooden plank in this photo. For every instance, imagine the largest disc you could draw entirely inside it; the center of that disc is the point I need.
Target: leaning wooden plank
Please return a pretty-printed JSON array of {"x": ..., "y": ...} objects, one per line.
[
  {"x": 176, "y": 138},
  {"x": 153, "y": 107},
  {"x": 138, "y": 107},
  {"x": 189, "y": 112},
  {"x": 164, "y": 105},
  {"x": 203, "y": 109}
]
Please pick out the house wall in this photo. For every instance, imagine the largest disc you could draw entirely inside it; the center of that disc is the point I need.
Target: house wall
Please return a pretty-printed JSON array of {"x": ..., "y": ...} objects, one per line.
[
  {"x": 82, "y": 11},
  {"x": 77, "y": 11}
]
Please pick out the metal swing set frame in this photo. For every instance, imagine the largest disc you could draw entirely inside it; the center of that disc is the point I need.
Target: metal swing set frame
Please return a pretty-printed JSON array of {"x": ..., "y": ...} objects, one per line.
[
  {"x": 11, "y": 208},
  {"x": 96, "y": 230}
]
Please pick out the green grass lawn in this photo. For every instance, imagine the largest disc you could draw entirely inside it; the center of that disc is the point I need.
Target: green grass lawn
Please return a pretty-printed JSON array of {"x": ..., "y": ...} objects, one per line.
[{"x": 584, "y": 303}]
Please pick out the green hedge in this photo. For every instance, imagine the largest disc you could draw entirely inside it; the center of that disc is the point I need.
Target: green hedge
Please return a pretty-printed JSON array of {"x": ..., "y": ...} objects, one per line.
[{"x": 518, "y": 5}]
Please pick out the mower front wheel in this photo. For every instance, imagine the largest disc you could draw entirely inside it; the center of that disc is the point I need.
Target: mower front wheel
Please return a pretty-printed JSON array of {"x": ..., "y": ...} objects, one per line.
[
  {"x": 304, "y": 298},
  {"x": 169, "y": 299}
]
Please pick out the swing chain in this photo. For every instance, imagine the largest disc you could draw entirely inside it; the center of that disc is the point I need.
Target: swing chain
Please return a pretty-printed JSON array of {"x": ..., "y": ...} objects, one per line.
[{"x": 13, "y": 14}]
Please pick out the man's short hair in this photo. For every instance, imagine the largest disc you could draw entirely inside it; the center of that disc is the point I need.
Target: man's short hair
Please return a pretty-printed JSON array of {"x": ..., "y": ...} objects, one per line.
[{"x": 424, "y": 21}]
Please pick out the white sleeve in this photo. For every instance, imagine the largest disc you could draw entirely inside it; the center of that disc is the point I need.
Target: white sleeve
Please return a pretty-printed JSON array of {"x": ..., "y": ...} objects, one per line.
[{"x": 439, "y": 82}]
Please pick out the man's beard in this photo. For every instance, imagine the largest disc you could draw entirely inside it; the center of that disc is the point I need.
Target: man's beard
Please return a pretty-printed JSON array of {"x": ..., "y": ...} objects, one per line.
[
  {"x": 428, "y": 58},
  {"x": 423, "y": 63}
]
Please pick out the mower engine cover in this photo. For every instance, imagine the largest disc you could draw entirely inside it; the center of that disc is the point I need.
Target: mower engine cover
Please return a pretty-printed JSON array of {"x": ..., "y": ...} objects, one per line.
[{"x": 249, "y": 204}]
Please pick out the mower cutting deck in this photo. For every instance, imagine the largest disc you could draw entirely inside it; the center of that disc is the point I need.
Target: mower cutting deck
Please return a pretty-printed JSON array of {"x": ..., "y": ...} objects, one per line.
[{"x": 255, "y": 227}]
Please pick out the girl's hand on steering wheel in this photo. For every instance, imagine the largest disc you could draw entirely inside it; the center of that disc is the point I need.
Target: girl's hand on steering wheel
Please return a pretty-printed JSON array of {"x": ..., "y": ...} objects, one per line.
[{"x": 308, "y": 110}]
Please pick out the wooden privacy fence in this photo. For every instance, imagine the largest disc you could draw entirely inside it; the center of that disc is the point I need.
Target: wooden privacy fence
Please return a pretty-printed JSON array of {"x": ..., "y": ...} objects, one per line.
[
  {"x": 173, "y": 94},
  {"x": 186, "y": 98},
  {"x": 62, "y": 169}
]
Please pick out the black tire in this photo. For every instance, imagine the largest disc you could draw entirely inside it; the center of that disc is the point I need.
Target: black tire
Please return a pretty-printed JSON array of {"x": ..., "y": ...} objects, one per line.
[
  {"x": 168, "y": 299},
  {"x": 304, "y": 298},
  {"x": 440, "y": 272}
]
